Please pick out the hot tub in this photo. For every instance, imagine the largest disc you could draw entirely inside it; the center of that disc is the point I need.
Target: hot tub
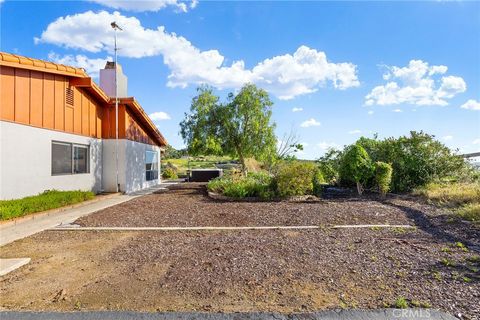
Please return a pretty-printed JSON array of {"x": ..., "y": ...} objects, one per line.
[{"x": 204, "y": 175}]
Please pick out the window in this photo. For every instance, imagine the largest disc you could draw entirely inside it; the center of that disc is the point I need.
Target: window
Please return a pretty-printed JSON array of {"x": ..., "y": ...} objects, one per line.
[
  {"x": 61, "y": 158},
  {"x": 80, "y": 159},
  {"x": 68, "y": 158},
  {"x": 151, "y": 165}
]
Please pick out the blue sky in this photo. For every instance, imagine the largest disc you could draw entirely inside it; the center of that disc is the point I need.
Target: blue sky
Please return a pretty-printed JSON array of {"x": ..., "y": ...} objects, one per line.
[{"x": 353, "y": 68}]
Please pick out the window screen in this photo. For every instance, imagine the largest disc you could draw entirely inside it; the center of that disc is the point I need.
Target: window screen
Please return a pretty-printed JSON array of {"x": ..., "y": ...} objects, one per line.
[
  {"x": 151, "y": 165},
  {"x": 61, "y": 158},
  {"x": 80, "y": 159}
]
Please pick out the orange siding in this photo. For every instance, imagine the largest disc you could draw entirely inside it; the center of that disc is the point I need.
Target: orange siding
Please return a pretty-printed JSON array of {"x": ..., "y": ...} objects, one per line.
[
  {"x": 135, "y": 132},
  {"x": 85, "y": 115},
  {"x": 36, "y": 98},
  {"x": 22, "y": 96},
  {"x": 60, "y": 103},
  {"x": 48, "y": 101},
  {"x": 77, "y": 112},
  {"x": 93, "y": 119},
  {"x": 99, "y": 120},
  {"x": 7, "y": 93},
  {"x": 69, "y": 119}
]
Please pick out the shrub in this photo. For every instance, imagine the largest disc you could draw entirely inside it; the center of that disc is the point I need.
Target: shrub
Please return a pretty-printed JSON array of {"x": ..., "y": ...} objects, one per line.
[
  {"x": 329, "y": 165},
  {"x": 417, "y": 160},
  {"x": 318, "y": 182},
  {"x": 383, "y": 176},
  {"x": 294, "y": 178},
  {"x": 253, "y": 185},
  {"x": 355, "y": 166},
  {"x": 47, "y": 200},
  {"x": 169, "y": 171}
]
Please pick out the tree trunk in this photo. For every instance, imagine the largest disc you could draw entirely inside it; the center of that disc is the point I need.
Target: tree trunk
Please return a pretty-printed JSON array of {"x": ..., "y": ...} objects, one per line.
[
  {"x": 359, "y": 188},
  {"x": 243, "y": 167}
]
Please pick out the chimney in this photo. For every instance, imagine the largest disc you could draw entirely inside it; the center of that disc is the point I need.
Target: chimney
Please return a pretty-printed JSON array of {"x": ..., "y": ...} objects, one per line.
[{"x": 107, "y": 80}]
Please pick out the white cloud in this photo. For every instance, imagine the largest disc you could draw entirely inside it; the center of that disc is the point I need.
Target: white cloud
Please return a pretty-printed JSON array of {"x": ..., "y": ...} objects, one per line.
[
  {"x": 148, "y": 5},
  {"x": 476, "y": 141},
  {"x": 327, "y": 145},
  {"x": 91, "y": 66},
  {"x": 417, "y": 84},
  {"x": 447, "y": 138},
  {"x": 397, "y": 110},
  {"x": 295, "y": 109},
  {"x": 160, "y": 115},
  {"x": 356, "y": 131},
  {"x": 471, "y": 105},
  {"x": 286, "y": 76},
  {"x": 370, "y": 112},
  {"x": 310, "y": 123}
]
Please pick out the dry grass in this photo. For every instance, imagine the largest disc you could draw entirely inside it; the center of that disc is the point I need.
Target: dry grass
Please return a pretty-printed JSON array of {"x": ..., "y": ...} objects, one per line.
[
  {"x": 470, "y": 212},
  {"x": 451, "y": 194},
  {"x": 464, "y": 198}
]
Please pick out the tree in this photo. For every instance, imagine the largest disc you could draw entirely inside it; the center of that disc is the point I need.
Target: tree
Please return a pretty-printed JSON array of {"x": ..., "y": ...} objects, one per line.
[
  {"x": 356, "y": 165},
  {"x": 241, "y": 127},
  {"x": 289, "y": 145}
]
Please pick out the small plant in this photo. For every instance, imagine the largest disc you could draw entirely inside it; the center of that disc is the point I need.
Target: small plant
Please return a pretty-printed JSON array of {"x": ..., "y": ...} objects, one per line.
[
  {"x": 446, "y": 262},
  {"x": 437, "y": 276},
  {"x": 169, "y": 171},
  {"x": 466, "y": 279},
  {"x": 401, "y": 303},
  {"x": 420, "y": 304},
  {"x": 474, "y": 259},
  {"x": 383, "y": 176},
  {"x": 446, "y": 250},
  {"x": 461, "y": 246}
]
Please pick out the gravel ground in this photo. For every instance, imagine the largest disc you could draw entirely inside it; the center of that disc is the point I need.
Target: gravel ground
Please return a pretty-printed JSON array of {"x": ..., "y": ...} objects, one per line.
[{"x": 255, "y": 270}]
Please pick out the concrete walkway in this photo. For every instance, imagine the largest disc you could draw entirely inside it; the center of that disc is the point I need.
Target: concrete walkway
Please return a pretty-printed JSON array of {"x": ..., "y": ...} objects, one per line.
[
  {"x": 380, "y": 314},
  {"x": 11, "y": 231}
]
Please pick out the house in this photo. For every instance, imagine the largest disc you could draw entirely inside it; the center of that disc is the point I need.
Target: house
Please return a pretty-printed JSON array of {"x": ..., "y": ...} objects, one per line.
[{"x": 57, "y": 131}]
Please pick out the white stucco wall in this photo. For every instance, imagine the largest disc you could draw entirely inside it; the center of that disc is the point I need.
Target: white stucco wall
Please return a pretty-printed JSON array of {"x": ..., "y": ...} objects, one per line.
[
  {"x": 26, "y": 164},
  {"x": 131, "y": 165}
]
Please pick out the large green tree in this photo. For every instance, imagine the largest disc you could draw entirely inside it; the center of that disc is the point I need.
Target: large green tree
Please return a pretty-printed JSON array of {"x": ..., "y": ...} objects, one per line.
[{"x": 241, "y": 127}]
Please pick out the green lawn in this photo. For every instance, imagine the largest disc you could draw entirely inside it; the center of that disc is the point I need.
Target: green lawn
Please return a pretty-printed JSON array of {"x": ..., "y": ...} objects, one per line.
[{"x": 47, "y": 200}]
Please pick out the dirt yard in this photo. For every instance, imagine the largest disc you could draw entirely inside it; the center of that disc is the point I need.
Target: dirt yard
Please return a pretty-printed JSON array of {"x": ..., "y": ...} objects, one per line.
[{"x": 250, "y": 270}]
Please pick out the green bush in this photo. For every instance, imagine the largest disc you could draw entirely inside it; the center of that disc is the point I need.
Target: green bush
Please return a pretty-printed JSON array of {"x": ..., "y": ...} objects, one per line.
[
  {"x": 318, "y": 182},
  {"x": 253, "y": 185},
  {"x": 294, "y": 178},
  {"x": 329, "y": 165},
  {"x": 169, "y": 171},
  {"x": 383, "y": 176},
  {"x": 47, "y": 200},
  {"x": 417, "y": 159},
  {"x": 355, "y": 166}
]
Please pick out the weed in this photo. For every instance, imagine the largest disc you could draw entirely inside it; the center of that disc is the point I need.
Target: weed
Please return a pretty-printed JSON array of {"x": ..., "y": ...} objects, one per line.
[
  {"x": 446, "y": 262},
  {"x": 437, "y": 276},
  {"x": 401, "y": 303},
  {"x": 466, "y": 279},
  {"x": 446, "y": 250}
]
